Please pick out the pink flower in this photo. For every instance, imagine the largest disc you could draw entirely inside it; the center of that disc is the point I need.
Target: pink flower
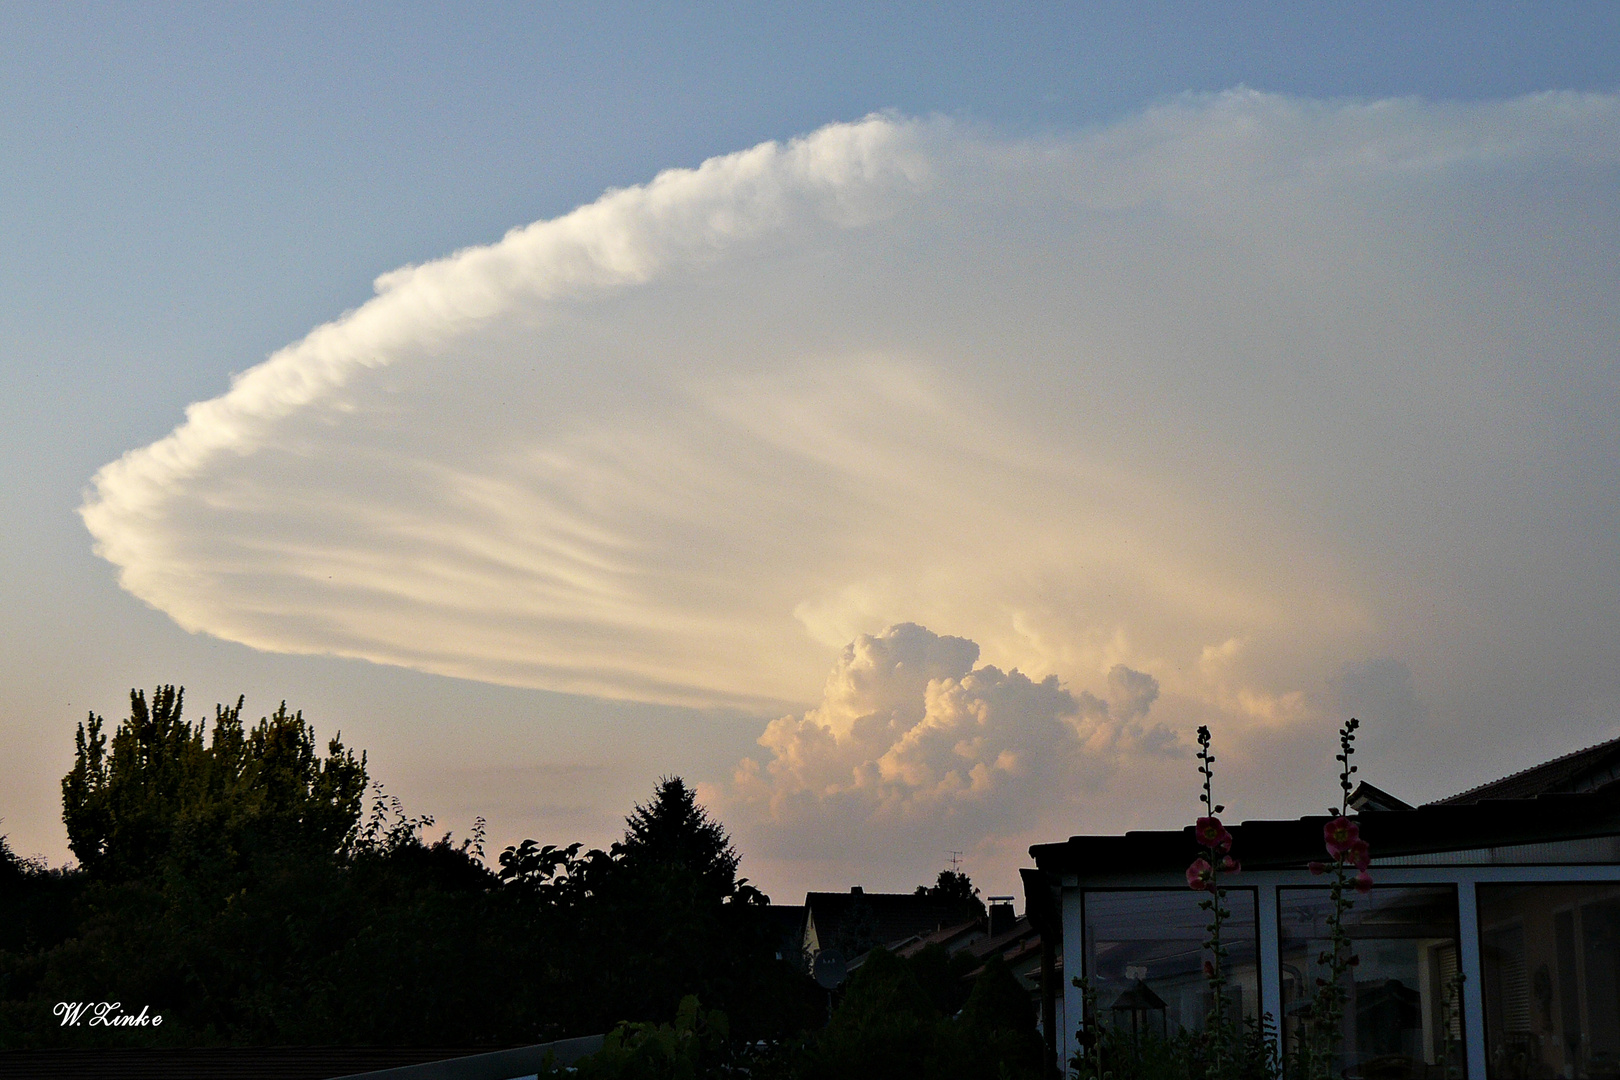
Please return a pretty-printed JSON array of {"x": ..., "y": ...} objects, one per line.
[
  {"x": 1317, "y": 868},
  {"x": 1364, "y": 883},
  {"x": 1213, "y": 835},
  {"x": 1359, "y": 854},
  {"x": 1199, "y": 875},
  {"x": 1339, "y": 834},
  {"x": 1230, "y": 865}
]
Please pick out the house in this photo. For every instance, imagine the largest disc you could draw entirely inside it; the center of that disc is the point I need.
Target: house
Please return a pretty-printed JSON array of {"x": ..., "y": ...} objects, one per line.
[
  {"x": 785, "y": 925},
  {"x": 855, "y": 922},
  {"x": 1019, "y": 945},
  {"x": 953, "y": 939},
  {"x": 1490, "y": 939}
]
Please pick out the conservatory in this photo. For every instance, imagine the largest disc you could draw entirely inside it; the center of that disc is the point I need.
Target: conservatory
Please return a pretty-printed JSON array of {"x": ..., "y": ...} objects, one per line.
[{"x": 1488, "y": 944}]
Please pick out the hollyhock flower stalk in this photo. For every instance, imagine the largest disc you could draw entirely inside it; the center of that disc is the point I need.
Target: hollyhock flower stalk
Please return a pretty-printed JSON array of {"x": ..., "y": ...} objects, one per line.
[
  {"x": 1341, "y": 836},
  {"x": 1204, "y": 875}
]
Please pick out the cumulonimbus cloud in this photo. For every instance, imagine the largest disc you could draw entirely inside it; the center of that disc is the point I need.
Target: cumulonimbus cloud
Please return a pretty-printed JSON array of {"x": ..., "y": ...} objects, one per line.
[
  {"x": 910, "y": 733},
  {"x": 1228, "y": 394}
]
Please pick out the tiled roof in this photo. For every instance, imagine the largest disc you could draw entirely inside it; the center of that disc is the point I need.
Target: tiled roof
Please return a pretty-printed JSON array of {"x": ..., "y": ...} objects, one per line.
[
  {"x": 1011, "y": 940},
  {"x": 885, "y": 917},
  {"x": 1435, "y": 828},
  {"x": 1584, "y": 770},
  {"x": 947, "y": 936}
]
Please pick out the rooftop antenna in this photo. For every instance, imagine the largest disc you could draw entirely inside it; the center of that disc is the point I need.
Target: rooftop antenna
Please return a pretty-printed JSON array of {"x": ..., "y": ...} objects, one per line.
[{"x": 956, "y": 861}]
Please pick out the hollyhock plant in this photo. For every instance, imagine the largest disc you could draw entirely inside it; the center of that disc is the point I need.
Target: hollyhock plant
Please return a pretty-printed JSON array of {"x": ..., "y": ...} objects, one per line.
[
  {"x": 1204, "y": 875},
  {"x": 1342, "y": 837}
]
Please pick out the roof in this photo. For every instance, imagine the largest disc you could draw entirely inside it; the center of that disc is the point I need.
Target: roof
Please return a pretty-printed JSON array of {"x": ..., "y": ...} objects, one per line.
[
  {"x": 1368, "y": 797},
  {"x": 1436, "y": 827},
  {"x": 1009, "y": 941},
  {"x": 1584, "y": 770},
  {"x": 952, "y": 938},
  {"x": 1014, "y": 945},
  {"x": 878, "y": 918},
  {"x": 786, "y": 924}
]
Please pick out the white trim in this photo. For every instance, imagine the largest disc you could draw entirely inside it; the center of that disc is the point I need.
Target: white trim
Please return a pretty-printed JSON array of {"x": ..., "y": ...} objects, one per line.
[
  {"x": 1389, "y": 875},
  {"x": 1074, "y": 966},
  {"x": 1473, "y": 991},
  {"x": 1270, "y": 959},
  {"x": 1266, "y": 883}
]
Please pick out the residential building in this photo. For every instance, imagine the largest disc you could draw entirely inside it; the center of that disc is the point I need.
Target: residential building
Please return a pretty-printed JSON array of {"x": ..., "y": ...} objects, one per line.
[{"x": 1489, "y": 942}]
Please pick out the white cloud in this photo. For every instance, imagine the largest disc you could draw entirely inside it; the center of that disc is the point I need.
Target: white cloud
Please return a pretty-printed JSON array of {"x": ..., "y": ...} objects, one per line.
[
  {"x": 1219, "y": 398},
  {"x": 909, "y": 734}
]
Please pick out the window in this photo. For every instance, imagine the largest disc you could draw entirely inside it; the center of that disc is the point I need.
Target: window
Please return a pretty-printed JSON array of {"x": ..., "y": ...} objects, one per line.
[
  {"x": 1550, "y": 957},
  {"x": 1154, "y": 939},
  {"x": 1403, "y": 1015}
]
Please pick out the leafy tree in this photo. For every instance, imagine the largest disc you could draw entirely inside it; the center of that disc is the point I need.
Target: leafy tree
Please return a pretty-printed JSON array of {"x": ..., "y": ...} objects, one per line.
[
  {"x": 957, "y": 888},
  {"x": 217, "y": 882},
  {"x": 890, "y": 1024},
  {"x": 227, "y": 880},
  {"x": 885, "y": 1025},
  {"x": 944, "y": 976},
  {"x": 159, "y": 793},
  {"x": 660, "y": 916},
  {"x": 998, "y": 1022},
  {"x": 694, "y": 1045}
]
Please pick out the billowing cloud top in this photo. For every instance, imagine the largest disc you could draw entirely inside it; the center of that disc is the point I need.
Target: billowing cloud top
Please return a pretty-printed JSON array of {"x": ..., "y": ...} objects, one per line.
[
  {"x": 910, "y": 734},
  {"x": 1225, "y": 397}
]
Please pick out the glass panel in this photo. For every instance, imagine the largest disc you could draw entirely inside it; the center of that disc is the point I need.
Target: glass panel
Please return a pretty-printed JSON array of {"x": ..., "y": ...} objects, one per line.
[
  {"x": 1156, "y": 938},
  {"x": 1403, "y": 1017},
  {"x": 1550, "y": 956}
]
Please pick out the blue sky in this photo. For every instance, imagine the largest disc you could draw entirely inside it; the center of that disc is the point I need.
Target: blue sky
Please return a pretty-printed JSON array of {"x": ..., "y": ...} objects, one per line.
[{"x": 185, "y": 191}]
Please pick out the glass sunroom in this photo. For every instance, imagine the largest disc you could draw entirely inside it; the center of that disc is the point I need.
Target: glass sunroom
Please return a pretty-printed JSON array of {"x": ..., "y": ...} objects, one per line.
[{"x": 1489, "y": 944}]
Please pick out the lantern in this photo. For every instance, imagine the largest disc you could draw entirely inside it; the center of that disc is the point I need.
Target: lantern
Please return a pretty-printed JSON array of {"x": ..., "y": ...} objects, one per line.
[{"x": 1139, "y": 1004}]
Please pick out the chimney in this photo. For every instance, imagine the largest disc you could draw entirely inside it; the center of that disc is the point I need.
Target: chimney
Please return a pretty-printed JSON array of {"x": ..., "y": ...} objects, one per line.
[
  {"x": 1001, "y": 915},
  {"x": 855, "y": 890}
]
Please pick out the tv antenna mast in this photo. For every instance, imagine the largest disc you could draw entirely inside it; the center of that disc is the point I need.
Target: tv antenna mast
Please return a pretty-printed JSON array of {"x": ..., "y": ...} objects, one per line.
[{"x": 956, "y": 861}]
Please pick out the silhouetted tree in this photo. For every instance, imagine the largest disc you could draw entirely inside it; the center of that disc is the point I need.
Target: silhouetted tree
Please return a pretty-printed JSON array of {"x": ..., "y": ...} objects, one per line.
[
  {"x": 890, "y": 1024},
  {"x": 228, "y": 881},
  {"x": 674, "y": 832},
  {"x": 956, "y": 887}
]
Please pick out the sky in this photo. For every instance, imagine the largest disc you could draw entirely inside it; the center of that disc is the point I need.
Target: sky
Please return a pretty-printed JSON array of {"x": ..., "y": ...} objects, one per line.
[{"x": 907, "y": 426}]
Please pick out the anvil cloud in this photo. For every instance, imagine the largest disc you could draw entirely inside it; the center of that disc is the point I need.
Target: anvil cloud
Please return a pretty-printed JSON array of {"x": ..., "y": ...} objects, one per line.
[{"x": 1260, "y": 398}]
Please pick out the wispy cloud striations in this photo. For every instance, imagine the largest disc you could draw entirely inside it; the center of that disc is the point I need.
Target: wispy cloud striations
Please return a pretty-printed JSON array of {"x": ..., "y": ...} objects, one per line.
[{"x": 1215, "y": 404}]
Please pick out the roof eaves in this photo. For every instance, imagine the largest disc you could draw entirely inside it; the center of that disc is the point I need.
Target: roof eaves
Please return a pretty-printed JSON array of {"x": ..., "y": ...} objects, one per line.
[{"x": 1292, "y": 843}]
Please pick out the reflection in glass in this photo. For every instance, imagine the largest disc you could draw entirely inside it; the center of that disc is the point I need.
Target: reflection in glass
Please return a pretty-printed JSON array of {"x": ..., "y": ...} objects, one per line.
[
  {"x": 1403, "y": 1017},
  {"x": 1550, "y": 956},
  {"x": 1154, "y": 940}
]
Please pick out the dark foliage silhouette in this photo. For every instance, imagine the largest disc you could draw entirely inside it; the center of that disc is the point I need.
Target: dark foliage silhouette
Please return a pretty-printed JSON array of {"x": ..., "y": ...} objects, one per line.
[{"x": 242, "y": 884}]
